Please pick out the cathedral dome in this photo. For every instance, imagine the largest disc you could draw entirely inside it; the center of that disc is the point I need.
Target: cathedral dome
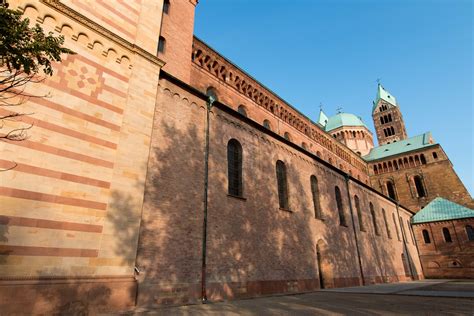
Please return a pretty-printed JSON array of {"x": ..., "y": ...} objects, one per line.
[{"x": 343, "y": 119}]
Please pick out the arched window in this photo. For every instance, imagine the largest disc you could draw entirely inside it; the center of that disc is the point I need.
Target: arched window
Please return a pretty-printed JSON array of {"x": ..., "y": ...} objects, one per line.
[
  {"x": 315, "y": 192},
  {"x": 287, "y": 136},
  {"x": 396, "y": 227},
  {"x": 303, "y": 144},
  {"x": 426, "y": 236},
  {"x": 375, "y": 169},
  {"x": 234, "y": 167},
  {"x": 423, "y": 159},
  {"x": 374, "y": 219},
  {"x": 330, "y": 161},
  {"x": 389, "y": 117},
  {"x": 166, "y": 6},
  {"x": 385, "y": 132},
  {"x": 435, "y": 155},
  {"x": 389, "y": 233},
  {"x": 359, "y": 213},
  {"x": 161, "y": 44},
  {"x": 392, "y": 130},
  {"x": 211, "y": 92},
  {"x": 420, "y": 190},
  {"x": 470, "y": 233},
  {"x": 381, "y": 120},
  {"x": 391, "y": 190},
  {"x": 266, "y": 124},
  {"x": 447, "y": 235},
  {"x": 241, "y": 110},
  {"x": 318, "y": 153},
  {"x": 282, "y": 184},
  {"x": 340, "y": 208}
]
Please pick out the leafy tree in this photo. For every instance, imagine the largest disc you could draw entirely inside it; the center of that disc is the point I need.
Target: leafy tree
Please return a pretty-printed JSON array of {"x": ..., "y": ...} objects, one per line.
[{"x": 26, "y": 56}]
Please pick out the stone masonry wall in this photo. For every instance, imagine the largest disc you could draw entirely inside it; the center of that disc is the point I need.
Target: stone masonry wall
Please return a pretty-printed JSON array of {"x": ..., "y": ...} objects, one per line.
[
  {"x": 70, "y": 208},
  {"x": 442, "y": 259},
  {"x": 254, "y": 248}
]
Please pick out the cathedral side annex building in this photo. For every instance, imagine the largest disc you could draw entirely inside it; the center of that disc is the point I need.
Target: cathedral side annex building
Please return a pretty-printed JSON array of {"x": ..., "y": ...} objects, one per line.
[{"x": 158, "y": 172}]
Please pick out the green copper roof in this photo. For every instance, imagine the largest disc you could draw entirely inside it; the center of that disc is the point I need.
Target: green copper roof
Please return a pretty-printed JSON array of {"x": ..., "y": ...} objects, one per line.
[
  {"x": 441, "y": 210},
  {"x": 322, "y": 119},
  {"x": 402, "y": 146},
  {"x": 343, "y": 119},
  {"x": 384, "y": 95}
]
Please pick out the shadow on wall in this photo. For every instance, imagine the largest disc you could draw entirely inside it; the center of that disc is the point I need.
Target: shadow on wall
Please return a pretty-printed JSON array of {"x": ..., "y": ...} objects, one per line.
[{"x": 4, "y": 239}]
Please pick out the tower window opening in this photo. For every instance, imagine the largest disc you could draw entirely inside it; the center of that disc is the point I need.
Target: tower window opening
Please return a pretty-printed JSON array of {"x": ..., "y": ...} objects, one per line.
[
  {"x": 166, "y": 7},
  {"x": 447, "y": 235},
  {"x": 420, "y": 190},
  {"x": 391, "y": 190},
  {"x": 161, "y": 45},
  {"x": 470, "y": 233},
  {"x": 435, "y": 155},
  {"x": 426, "y": 236}
]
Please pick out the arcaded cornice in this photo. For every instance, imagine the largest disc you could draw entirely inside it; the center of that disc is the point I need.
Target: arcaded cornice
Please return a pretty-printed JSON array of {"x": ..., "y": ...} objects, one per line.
[{"x": 85, "y": 21}]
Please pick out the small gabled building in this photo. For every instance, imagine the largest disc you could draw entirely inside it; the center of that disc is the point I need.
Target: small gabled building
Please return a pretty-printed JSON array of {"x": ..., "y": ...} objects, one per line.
[{"x": 444, "y": 233}]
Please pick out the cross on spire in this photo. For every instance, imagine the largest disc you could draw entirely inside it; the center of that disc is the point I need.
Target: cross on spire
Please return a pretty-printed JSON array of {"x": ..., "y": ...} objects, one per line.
[
  {"x": 339, "y": 110},
  {"x": 320, "y": 106},
  {"x": 378, "y": 80}
]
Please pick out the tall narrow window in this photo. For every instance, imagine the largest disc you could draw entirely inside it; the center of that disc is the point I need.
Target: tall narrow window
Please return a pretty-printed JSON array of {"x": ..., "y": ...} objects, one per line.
[
  {"x": 389, "y": 233},
  {"x": 282, "y": 184},
  {"x": 359, "y": 213},
  {"x": 374, "y": 219},
  {"x": 426, "y": 236},
  {"x": 340, "y": 208},
  {"x": 391, "y": 190},
  {"x": 420, "y": 190},
  {"x": 423, "y": 159},
  {"x": 315, "y": 192},
  {"x": 447, "y": 235},
  {"x": 435, "y": 155},
  {"x": 396, "y": 227},
  {"x": 392, "y": 130},
  {"x": 234, "y": 167},
  {"x": 161, "y": 44},
  {"x": 470, "y": 233},
  {"x": 241, "y": 109},
  {"x": 266, "y": 124},
  {"x": 166, "y": 7}
]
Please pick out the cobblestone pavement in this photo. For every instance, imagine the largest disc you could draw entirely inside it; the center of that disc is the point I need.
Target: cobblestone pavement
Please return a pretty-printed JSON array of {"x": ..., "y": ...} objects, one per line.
[{"x": 383, "y": 299}]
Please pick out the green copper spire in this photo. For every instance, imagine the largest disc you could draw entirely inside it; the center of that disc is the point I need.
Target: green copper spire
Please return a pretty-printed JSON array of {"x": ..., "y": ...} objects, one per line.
[
  {"x": 323, "y": 119},
  {"x": 384, "y": 95}
]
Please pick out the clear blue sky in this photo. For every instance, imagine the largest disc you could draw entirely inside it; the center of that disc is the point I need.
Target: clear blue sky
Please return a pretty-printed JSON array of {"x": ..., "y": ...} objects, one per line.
[{"x": 332, "y": 52}]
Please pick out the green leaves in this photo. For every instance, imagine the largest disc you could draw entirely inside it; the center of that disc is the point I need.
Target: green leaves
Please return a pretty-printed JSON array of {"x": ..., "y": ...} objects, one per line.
[{"x": 27, "y": 49}]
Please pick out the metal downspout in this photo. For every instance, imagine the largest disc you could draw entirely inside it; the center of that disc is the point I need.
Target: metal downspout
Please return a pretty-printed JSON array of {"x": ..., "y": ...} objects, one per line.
[
  {"x": 209, "y": 103},
  {"x": 355, "y": 232},
  {"x": 405, "y": 247}
]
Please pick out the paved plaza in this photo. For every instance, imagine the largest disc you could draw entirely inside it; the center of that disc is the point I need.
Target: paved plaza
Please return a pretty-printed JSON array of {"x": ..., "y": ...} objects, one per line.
[{"x": 427, "y": 297}]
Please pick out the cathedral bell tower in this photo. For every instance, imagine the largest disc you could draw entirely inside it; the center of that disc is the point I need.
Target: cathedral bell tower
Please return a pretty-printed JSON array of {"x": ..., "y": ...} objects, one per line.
[{"x": 388, "y": 119}]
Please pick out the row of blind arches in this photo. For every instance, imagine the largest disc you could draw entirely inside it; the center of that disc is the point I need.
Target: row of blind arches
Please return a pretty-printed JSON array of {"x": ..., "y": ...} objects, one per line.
[
  {"x": 447, "y": 234},
  {"x": 235, "y": 188}
]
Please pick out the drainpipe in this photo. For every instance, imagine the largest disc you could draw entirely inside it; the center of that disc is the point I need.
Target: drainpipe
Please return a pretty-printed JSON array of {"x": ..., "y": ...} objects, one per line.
[
  {"x": 405, "y": 247},
  {"x": 355, "y": 232},
  {"x": 209, "y": 103}
]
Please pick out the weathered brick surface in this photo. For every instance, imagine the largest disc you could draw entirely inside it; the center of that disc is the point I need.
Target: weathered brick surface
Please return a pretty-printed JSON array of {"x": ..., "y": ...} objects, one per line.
[
  {"x": 442, "y": 259},
  {"x": 438, "y": 175},
  {"x": 254, "y": 248}
]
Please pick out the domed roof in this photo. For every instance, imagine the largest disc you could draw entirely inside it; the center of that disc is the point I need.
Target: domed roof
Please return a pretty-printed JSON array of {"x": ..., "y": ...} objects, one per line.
[{"x": 343, "y": 119}]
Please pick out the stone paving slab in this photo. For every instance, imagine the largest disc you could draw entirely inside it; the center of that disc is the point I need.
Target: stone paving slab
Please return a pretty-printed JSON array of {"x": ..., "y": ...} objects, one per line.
[
  {"x": 387, "y": 288},
  {"x": 326, "y": 303}
]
